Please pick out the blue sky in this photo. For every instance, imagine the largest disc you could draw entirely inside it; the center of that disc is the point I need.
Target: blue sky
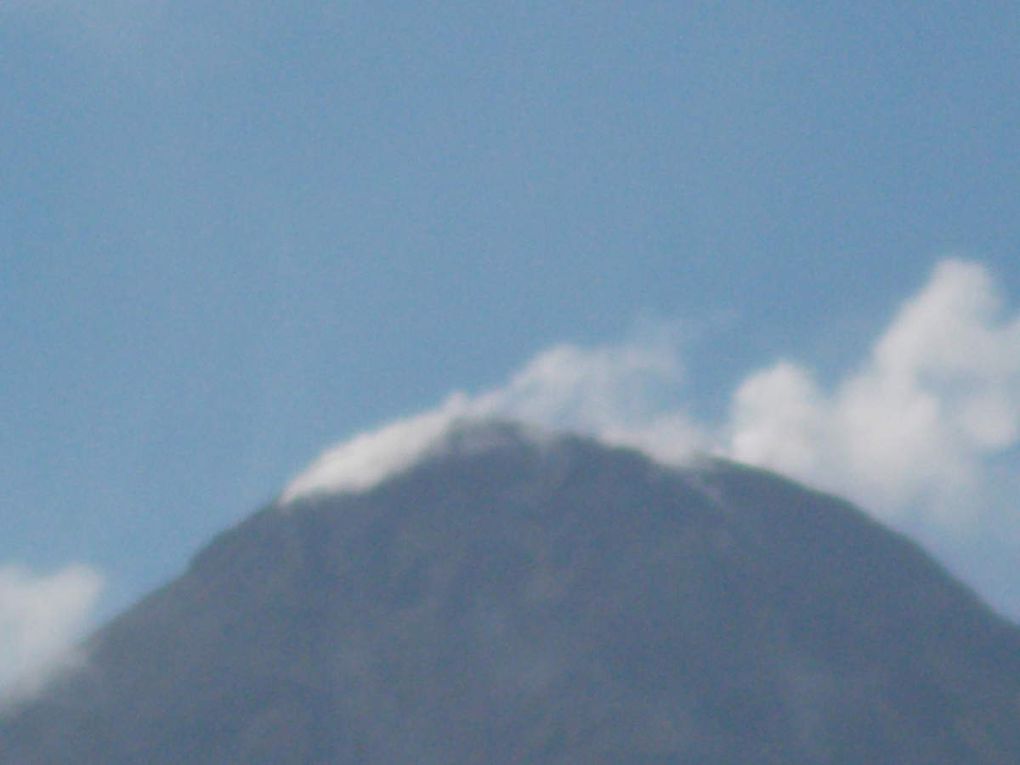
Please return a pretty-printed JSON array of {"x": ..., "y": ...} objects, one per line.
[{"x": 232, "y": 234}]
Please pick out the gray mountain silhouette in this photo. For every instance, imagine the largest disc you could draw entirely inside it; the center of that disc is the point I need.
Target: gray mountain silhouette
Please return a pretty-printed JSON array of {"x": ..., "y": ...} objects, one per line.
[{"x": 545, "y": 601}]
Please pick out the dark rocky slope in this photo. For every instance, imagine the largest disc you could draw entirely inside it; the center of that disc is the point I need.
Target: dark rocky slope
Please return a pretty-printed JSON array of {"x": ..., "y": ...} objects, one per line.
[{"x": 556, "y": 602}]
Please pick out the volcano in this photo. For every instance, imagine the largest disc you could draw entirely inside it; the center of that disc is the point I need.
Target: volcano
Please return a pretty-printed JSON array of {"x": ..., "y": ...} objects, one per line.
[{"x": 509, "y": 597}]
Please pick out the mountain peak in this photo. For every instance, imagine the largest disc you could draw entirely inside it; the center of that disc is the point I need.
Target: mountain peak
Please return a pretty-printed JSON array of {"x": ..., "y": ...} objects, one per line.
[{"x": 519, "y": 596}]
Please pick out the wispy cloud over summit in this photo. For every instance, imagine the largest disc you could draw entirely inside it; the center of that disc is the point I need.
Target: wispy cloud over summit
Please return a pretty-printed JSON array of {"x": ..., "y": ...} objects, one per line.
[{"x": 908, "y": 433}]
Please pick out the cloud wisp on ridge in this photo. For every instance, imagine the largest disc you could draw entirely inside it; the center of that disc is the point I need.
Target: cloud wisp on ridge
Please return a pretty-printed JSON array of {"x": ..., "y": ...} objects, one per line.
[{"x": 613, "y": 392}]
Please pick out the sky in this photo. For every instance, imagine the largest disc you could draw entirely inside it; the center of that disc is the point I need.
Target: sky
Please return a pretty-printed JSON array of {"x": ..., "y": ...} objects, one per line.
[{"x": 234, "y": 234}]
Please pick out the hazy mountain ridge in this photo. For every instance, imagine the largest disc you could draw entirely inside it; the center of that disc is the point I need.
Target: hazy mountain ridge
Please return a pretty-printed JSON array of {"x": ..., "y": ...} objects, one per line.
[{"x": 546, "y": 601}]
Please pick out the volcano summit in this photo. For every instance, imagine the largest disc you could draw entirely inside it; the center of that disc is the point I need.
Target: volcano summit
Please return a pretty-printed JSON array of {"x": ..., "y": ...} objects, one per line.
[{"x": 511, "y": 597}]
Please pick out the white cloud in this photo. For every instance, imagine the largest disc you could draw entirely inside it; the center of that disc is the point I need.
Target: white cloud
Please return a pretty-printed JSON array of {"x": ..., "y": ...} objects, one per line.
[
  {"x": 937, "y": 397},
  {"x": 41, "y": 617},
  {"x": 597, "y": 388},
  {"x": 778, "y": 420},
  {"x": 624, "y": 394}
]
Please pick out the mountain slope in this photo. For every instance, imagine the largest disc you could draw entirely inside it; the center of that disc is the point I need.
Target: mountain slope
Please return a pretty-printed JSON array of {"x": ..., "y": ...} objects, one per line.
[{"x": 545, "y": 601}]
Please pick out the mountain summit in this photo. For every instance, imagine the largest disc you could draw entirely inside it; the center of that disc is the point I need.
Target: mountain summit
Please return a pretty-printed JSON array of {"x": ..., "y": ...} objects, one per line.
[{"x": 516, "y": 598}]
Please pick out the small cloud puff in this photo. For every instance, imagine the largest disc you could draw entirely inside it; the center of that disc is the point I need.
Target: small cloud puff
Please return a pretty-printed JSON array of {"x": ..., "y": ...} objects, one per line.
[{"x": 41, "y": 617}]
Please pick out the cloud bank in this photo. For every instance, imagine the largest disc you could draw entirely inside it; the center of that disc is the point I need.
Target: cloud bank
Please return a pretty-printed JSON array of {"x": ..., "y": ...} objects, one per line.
[
  {"x": 916, "y": 432},
  {"x": 912, "y": 424},
  {"x": 41, "y": 617}
]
